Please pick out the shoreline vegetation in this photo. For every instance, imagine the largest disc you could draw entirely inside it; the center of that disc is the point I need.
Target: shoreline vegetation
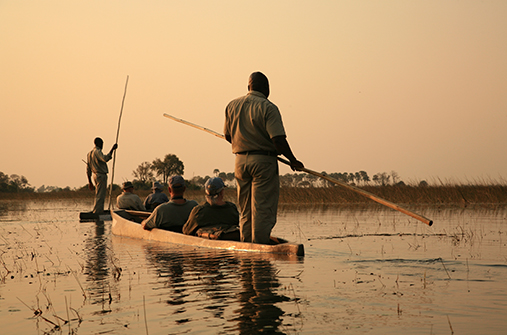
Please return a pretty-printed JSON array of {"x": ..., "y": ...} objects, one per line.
[
  {"x": 295, "y": 188},
  {"x": 456, "y": 195}
]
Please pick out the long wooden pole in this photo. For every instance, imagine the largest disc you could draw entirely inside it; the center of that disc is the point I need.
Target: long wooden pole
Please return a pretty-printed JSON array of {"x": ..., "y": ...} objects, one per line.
[
  {"x": 333, "y": 180},
  {"x": 116, "y": 142},
  {"x": 365, "y": 193}
]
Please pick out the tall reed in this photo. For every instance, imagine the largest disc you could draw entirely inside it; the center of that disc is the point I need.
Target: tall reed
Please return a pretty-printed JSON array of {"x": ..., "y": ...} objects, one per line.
[{"x": 461, "y": 195}]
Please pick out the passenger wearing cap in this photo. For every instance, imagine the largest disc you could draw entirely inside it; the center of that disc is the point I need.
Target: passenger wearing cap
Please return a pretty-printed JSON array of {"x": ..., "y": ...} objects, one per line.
[
  {"x": 253, "y": 126},
  {"x": 216, "y": 218},
  {"x": 128, "y": 199},
  {"x": 171, "y": 215},
  {"x": 156, "y": 198}
]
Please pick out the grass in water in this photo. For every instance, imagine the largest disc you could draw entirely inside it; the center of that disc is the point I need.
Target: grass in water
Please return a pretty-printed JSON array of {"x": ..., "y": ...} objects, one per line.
[{"x": 457, "y": 195}]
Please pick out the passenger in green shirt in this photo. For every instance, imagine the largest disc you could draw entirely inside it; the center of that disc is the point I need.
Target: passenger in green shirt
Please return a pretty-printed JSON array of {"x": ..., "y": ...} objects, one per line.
[
  {"x": 216, "y": 218},
  {"x": 171, "y": 215}
]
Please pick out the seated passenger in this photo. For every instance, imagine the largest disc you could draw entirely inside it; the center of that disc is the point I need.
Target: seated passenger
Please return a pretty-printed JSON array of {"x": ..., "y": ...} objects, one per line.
[
  {"x": 128, "y": 200},
  {"x": 171, "y": 215},
  {"x": 215, "y": 219},
  {"x": 156, "y": 198}
]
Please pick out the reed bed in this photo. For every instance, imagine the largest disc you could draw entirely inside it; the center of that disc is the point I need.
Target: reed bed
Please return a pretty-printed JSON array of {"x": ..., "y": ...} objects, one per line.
[
  {"x": 460, "y": 195},
  {"x": 430, "y": 195}
]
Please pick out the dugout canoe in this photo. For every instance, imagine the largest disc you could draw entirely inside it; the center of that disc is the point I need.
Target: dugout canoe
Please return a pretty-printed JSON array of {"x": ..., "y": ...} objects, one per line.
[{"x": 124, "y": 225}]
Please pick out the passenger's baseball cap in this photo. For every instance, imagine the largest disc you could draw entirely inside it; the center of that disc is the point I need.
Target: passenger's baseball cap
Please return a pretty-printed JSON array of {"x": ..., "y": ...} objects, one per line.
[
  {"x": 176, "y": 181},
  {"x": 214, "y": 186}
]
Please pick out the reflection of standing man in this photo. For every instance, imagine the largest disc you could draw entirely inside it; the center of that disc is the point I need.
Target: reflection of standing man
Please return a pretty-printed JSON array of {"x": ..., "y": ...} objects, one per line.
[
  {"x": 97, "y": 163},
  {"x": 253, "y": 125}
]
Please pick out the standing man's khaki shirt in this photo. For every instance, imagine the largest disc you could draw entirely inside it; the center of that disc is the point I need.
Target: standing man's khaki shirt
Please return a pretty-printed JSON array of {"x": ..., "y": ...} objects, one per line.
[
  {"x": 252, "y": 121},
  {"x": 97, "y": 162}
]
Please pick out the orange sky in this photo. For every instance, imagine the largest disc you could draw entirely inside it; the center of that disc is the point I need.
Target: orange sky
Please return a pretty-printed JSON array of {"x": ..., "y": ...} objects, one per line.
[{"x": 418, "y": 87}]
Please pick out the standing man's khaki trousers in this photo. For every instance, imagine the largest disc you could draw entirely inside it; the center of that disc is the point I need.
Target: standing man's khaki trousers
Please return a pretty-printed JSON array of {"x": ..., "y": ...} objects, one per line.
[
  {"x": 100, "y": 192},
  {"x": 258, "y": 193}
]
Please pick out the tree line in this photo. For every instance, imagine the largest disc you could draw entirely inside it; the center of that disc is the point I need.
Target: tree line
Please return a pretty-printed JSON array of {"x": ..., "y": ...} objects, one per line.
[
  {"x": 14, "y": 183},
  {"x": 161, "y": 169},
  {"x": 360, "y": 178}
]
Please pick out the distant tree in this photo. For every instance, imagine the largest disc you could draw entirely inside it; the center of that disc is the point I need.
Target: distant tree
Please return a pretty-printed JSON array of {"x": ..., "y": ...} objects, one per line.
[
  {"x": 395, "y": 177},
  {"x": 291, "y": 179},
  {"x": 308, "y": 180},
  {"x": 340, "y": 176},
  {"x": 381, "y": 179},
  {"x": 4, "y": 179},
  {"x": 364, "y": 177},
  {"x": 357, "y": 177},
  {"x": 198, "y": 181},
  {"x": 52, "y": 189},
  {"x": 14, "y": 183},
  {"x": 304, "y": 183},
  {"x": 325, "y": 182},
  {"x": 143, "y": 173},
  {"x": 286, "y": 180},
  {"x": 4, "y": 182},
  {"x": 171, "y": 165},
  {"x": 423, "y": 183}
]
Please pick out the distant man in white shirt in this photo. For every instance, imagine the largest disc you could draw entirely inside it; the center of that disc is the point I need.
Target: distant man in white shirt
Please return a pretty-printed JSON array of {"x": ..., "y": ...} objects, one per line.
[{"x": 97, "y": 164}]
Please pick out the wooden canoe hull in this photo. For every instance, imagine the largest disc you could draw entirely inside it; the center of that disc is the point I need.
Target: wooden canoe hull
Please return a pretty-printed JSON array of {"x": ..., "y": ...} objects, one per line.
[{"x": 123, "y": 227}]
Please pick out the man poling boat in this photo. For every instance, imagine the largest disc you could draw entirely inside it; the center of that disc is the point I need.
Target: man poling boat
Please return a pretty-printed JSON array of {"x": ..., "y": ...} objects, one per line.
[{"x": 333, "y": 180}]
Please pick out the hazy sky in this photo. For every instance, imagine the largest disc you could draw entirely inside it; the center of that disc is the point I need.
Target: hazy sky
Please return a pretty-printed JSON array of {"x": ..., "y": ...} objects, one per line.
[{"x": 418, "y": 87}]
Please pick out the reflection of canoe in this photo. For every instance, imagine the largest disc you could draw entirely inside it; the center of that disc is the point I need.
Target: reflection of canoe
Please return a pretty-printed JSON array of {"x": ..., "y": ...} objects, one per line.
[
  {"x": 90, "y": 216},
  {"x": 124, "y": 225}
]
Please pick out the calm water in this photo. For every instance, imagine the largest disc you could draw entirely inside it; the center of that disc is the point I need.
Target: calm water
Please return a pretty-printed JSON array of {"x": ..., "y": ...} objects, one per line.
[{"x": 365, "y": 271}]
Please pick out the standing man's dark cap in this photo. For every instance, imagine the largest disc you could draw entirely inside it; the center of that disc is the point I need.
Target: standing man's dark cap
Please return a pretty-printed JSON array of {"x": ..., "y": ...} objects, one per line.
[{"x": 259, "y": 82}]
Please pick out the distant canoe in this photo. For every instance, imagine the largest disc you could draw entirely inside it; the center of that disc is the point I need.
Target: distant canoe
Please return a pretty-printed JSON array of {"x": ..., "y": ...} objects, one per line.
[
  {"x": 124, "y": 225},
  {"x": 90, "y": 216}
]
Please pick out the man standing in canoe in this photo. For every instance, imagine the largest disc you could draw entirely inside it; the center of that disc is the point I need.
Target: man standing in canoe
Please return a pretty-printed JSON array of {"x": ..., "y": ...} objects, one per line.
[
  {"x": 253, "y": 125},
  {"x": 97, "y": 164}
]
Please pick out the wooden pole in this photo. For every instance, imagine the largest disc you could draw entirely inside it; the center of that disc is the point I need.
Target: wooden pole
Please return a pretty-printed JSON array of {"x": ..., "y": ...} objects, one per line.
[
  {"x": 195, "y": 126},
  {"x": 116, "y": 142},
  {"x": 365, "y": 193},
  {"x": 333, "y": 180}
]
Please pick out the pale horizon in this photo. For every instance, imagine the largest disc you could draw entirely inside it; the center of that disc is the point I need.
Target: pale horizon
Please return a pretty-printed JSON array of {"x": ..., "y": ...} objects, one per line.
[{"x": 414, "y": 87}]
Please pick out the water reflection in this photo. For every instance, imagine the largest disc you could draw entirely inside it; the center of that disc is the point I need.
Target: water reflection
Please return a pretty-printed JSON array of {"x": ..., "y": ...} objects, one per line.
[
  {"x": 258, "y": 312},
  {"x": 101, "y": 287},
  {"x": 239, "y": 290},
  {"x": 12, "y": 207}
]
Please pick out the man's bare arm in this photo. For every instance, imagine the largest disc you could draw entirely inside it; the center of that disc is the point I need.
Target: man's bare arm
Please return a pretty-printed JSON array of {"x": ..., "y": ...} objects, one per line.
[{"x": 282, "y": 146}]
